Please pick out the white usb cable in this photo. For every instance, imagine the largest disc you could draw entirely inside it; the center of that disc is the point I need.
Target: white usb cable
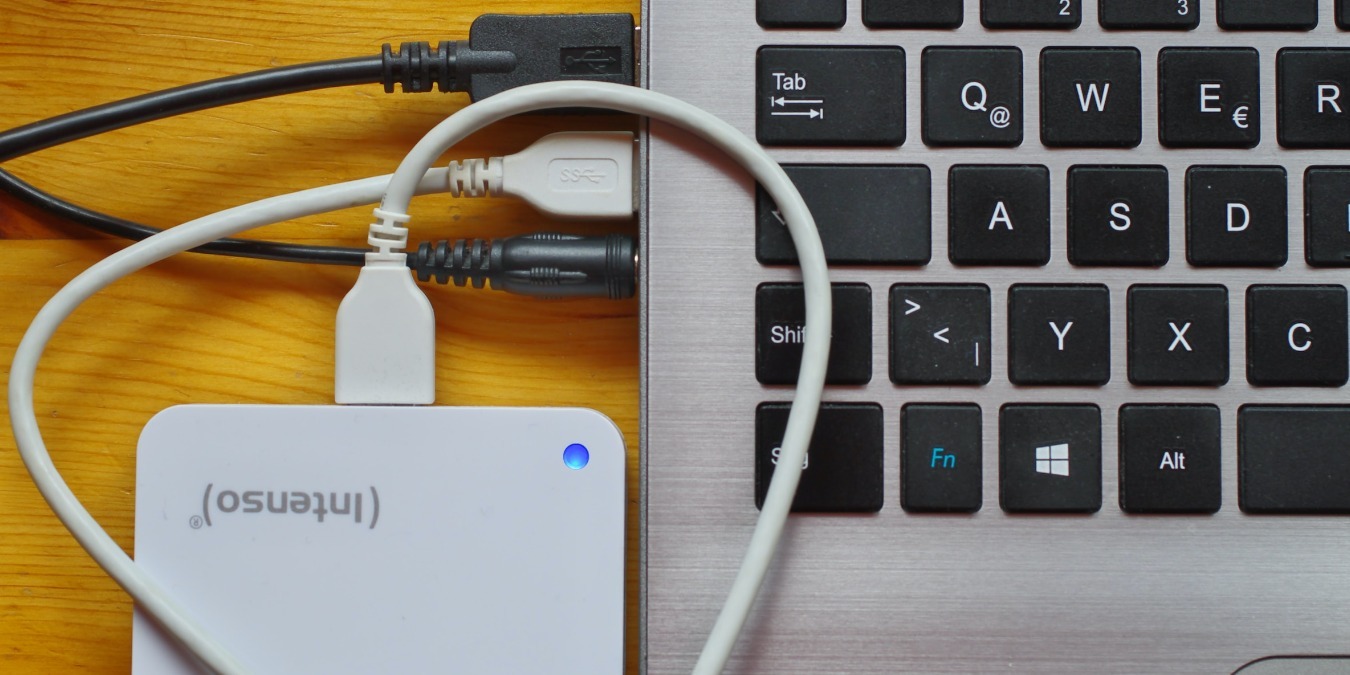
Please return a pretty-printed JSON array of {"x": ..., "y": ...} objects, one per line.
[
  {"x": 413, "y": 177},
  {"x": 815, "y": 280}
]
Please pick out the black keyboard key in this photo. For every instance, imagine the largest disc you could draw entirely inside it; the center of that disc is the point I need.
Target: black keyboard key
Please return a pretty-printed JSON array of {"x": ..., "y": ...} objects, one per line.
[
  {"x": 1149, "y": 14},
  {"x": 1326, "y": 209},
  {"x": 1090, "y": 98},
  {"x": 1065, "y": 14},
  {"x": 1170, "y": 459},
  {"x": 998, "y": 215},
  {"x": 843, "y": 469},
  {"x": 1178, "y": 335},
  {"x": 831, "y": 96},
  {"x": 866, "y": 215},
  {"x": 1293, "y": 459},
  {"x": 1343, "y": 14},
  {"x": 1296, "y": 336},
  {"x": 1050, "y": 458},
  {"x": 1059, "y": 334},
  {"x": 1209, "y": 98},
  {"x": 941, "y": 458},
  {"x": 801, "y": 13},
  {"x": 1313, "y": 96},
  {"x": 1118, "y": 215},
  {"x": 1267, "y": 14},
  {"x": 780, "y": 320},
  {"x": 1237, "y": 216},
  {"x": 940, "y": 334},
  {"x": 913, "y": 13},
  {"x": 972, "y": 96}
]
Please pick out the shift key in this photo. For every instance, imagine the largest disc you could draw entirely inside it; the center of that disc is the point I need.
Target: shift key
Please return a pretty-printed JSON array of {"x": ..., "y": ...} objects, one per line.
[{"x": 831, "y": 96}]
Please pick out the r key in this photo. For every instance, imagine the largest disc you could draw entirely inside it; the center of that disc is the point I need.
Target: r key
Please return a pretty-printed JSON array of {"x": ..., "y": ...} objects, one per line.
[{"x": 1313, "y": 90}]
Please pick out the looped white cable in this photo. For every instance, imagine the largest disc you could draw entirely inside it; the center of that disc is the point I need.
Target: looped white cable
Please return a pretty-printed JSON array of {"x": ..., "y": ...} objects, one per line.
[
  {"x": 388, "y": 236},
  {"x": 399, "y": 190}
]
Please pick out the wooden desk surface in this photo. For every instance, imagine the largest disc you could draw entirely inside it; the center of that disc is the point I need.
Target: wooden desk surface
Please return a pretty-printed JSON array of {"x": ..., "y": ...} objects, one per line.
[{"x": 199, "y": 329}]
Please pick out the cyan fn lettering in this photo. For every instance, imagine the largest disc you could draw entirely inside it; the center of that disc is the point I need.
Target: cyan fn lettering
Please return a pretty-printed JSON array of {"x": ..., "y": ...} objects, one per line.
[{"x": 943, "y": 458}]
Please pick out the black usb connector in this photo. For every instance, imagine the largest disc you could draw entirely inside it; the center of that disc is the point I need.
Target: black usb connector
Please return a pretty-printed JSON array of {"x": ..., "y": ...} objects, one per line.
[
  {"x": 505, "y": 51},
  {"x": 555, "y": 47}
]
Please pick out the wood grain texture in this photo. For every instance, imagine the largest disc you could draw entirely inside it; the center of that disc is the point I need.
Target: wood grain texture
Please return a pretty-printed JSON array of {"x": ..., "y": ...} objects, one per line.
[{"x": 199, "y": 329}]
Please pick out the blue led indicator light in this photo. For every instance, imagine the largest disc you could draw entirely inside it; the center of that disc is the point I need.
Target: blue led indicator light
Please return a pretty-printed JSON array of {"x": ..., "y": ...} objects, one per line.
[{"x": 576, "y": 456}]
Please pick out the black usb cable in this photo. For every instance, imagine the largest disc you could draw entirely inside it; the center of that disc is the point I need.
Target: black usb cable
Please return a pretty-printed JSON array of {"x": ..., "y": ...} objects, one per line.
[{"x": 503, "y": 51}]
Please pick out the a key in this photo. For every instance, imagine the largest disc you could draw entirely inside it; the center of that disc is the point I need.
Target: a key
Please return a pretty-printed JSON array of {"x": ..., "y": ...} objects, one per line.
[
  {"x": 1313, "y": 96},
  {"x": 1149, "y": 14},
  {"x": 1292, "y": 459},
  {"x": 842, "y": 471},
  {"x": 1050, "y": 458},
  {"x": 1090, "y": 97},
  {"x": 1267, "y": 14},
  {"x": 941, "y": 458},
  {"x": 800, "y": 13},
  {"x": 1170, "y": 459},
  {"x": 1064, "y": 14},
  {"x": 1118, "y": 215},
  {"x": 1326, "y": 205},
  {"x": 1209, "y": 98},
  {"x": 1296, "y": 336},
  {"x": 1237, "y": 216},
  {"x": 940, "y": 334},
  {"x": 866, "y": 215},
  {"x": 831, "y": 96},
  {"x": 1178, "y": 335},
  {"x": 972, "y": 96},
  {"x": 1059, "y": 334},
  {"x": 998, "y": 215},
  {"x": 780, "y": 320},
  {"x": 913, "y": 13}
]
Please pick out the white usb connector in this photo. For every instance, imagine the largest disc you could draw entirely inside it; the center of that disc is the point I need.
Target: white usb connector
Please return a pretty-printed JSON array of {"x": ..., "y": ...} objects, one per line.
[
  {"x": 386, "y": 330},
  {"x": 579, "y": 174}
]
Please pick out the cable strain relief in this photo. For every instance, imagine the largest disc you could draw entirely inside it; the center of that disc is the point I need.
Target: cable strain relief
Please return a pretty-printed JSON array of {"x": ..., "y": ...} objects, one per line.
[
  {"x": 418, "y": 67},
  {"x": 475, "y": 177},
  {"x": 388, "y": 236},
  {"x": 462, "y": 261}
]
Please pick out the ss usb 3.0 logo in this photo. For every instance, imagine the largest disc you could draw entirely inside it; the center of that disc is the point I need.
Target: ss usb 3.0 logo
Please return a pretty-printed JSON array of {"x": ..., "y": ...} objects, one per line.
[
  {"x": 583, "y": 175},
  {"x": 578, "y": 175},
  {"x": 324, "y": 507}
]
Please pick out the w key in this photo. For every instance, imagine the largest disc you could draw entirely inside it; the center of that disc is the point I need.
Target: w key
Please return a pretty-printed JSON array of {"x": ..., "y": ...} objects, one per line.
[{"x": 1090, "y": 97}]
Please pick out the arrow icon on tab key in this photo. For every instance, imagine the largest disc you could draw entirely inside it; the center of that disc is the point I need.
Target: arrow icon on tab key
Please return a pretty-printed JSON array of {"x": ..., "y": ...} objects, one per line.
[{"x": 813, "y": 114}]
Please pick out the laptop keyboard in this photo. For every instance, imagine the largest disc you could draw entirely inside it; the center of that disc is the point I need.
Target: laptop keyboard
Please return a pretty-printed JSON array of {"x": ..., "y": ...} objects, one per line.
[
  {"x": 1090, "y": 333},
  {"x": 1116, "y": 214}
]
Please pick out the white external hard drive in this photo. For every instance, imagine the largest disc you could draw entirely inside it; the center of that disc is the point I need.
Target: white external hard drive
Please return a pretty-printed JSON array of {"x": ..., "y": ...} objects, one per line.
[{"x": 356, "y": 539}]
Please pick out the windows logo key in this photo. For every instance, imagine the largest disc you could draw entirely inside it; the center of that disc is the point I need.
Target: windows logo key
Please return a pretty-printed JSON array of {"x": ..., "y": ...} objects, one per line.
[{"x": 1053, "y": 459}]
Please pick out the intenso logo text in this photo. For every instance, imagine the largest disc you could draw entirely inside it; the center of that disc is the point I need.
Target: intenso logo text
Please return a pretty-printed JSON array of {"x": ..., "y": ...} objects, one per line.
[{"x": 323, "y": 506}]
